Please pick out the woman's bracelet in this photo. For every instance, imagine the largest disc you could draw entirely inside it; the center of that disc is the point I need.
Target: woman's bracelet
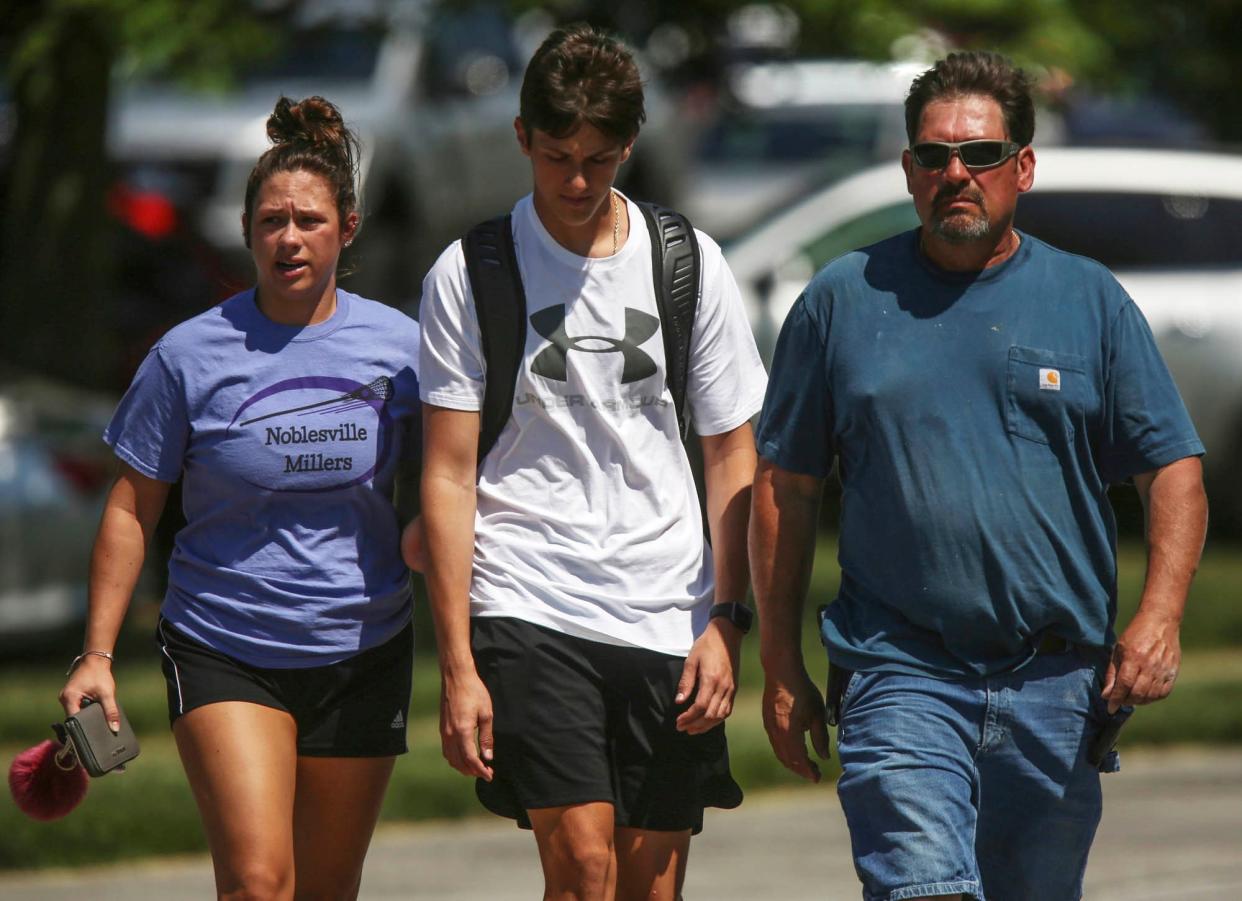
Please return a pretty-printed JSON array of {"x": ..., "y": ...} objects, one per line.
[{"x": 78, "y": 659}]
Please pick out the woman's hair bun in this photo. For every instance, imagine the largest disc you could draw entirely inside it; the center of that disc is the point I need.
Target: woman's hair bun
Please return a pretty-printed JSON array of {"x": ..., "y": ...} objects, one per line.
[{"x": 310, "y": 121}]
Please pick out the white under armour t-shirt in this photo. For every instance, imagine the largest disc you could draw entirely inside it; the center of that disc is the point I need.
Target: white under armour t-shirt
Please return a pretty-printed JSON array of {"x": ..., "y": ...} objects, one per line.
[{"x": 588, "y": 521}]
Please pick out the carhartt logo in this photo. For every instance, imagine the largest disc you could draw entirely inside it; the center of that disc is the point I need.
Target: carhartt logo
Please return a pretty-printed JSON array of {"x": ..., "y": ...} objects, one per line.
[
  {"x": 398, "y": 721},
  {"x": 551, "y": 364},
  {"x": 1049, "y": 380}
]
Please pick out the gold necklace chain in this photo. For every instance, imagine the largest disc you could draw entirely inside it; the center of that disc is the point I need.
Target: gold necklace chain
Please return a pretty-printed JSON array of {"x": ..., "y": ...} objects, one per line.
[{"x": 616, "y": 221}]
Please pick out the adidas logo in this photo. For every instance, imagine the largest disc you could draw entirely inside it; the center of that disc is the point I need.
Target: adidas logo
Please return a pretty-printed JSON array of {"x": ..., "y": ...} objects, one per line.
[{"x": 398, "y": 721}]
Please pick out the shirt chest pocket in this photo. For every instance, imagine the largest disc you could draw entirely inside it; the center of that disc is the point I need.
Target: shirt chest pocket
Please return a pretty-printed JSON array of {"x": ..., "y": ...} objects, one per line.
[{"x": 1046, "y": 394}]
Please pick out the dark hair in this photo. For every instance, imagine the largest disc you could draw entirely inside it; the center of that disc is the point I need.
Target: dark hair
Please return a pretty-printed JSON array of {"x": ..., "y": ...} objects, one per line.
[
  {"x": 976, "y": 72},
  {"x": 308, "y": 136},
  {"x": 582, "y": 75}
]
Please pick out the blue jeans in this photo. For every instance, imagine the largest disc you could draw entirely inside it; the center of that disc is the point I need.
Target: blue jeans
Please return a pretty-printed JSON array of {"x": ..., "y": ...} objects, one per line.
[{"x": 980, "y": 786}]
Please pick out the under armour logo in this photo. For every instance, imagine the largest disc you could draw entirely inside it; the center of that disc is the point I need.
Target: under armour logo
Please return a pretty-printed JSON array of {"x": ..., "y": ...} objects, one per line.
[{"x": 551, "y": 364}]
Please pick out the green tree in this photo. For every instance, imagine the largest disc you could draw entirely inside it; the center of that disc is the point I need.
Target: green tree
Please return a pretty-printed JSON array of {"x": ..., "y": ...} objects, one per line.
[
  {"x": 1184, "y": 52},
  {"x": 55, "y": 285},
  {"x": 52, "y": 318},
  {"x": 1187, "y": 52}
]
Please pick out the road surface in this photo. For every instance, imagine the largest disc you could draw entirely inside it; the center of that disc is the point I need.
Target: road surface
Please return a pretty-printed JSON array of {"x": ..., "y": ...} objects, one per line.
[{"x": 1172, "y": 831}]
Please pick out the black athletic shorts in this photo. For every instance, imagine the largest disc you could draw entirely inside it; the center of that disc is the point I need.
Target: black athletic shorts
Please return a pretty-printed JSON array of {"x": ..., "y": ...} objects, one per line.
[
  {"x": 355, "y": 708},
  {"x": 577, "y": 721}
]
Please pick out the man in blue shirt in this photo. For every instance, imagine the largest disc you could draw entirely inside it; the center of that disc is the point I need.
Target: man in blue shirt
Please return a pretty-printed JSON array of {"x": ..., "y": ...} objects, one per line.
[{"x": 979, "y": 391}]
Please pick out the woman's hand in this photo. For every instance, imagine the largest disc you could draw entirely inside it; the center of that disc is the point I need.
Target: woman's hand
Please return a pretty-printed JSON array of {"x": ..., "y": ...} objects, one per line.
[{"x": 91, "y": 680}]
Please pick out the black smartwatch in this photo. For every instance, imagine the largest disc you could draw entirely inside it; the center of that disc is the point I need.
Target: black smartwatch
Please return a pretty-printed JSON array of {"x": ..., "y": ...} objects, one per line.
[{"x": 738, "y": 614}]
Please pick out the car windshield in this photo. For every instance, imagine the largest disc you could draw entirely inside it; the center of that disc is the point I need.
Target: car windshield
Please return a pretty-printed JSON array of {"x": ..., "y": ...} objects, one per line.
[
  {"x": 1120, "y": 230},
  {"x": 866, "y": 229},
  {"x": 790, "y": 135},
  {"x": 1127, "y": 231}
]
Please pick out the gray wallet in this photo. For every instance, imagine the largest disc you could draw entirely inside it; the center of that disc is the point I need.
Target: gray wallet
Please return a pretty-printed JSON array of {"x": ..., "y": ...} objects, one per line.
[{"x": 98, "y": 749}]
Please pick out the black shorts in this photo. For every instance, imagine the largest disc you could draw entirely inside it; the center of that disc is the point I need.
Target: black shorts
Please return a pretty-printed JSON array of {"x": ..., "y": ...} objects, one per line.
[
  {"x": 577, "y": 721},
  {"x": 355, "y": 708}
]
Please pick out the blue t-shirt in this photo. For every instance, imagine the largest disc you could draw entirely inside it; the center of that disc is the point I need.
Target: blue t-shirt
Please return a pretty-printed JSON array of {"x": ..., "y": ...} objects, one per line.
[
  {"x": 287, "y": 440},
  {"x": 978, "y": 419}
]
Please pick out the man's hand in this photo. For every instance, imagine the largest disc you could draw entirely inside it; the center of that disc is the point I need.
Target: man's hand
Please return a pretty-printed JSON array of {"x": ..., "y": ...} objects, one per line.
[
  {"x": 712, "y": 665},
  {"x": 1145, "y": 662},
  {"x": 466, "y": 709},
  {"x": 1147, "y": 655},
  {"x": 793, "y": 705}
]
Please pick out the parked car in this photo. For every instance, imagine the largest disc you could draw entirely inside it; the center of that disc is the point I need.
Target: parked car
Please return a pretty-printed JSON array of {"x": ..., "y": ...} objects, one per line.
[
  {"x": 432, "y": 99},
  {"x": 432, "y": 90},
  {"x": 785, "y": 128},
  {"x": 54, "y": 473},
  {"x": 1167, "y": 223}
]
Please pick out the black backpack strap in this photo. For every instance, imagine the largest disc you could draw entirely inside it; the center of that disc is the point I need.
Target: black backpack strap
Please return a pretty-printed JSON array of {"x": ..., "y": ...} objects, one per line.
[
  {"x": 675, "y": 264},
  {"x": 500, "y": 302}
]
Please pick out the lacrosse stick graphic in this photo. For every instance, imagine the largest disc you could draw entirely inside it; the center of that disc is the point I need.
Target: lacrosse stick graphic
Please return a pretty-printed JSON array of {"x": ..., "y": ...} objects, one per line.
[{"x": 379, "y": 389}]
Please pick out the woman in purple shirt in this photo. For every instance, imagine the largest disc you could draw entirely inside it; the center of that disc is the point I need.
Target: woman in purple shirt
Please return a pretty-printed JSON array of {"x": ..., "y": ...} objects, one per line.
[{"x": 285, "y": 632}]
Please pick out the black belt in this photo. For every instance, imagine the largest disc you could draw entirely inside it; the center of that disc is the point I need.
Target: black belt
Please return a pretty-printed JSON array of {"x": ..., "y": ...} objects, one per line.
[{"x": 1054, "y": 644}]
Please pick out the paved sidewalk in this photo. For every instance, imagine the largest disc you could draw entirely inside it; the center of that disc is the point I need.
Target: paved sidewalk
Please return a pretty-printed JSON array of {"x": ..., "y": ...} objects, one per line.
[{"x": 1172, "y": 831}]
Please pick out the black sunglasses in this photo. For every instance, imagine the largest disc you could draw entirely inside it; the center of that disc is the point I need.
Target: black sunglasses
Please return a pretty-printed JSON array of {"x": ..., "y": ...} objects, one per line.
[{"x": 974, "y": 154}]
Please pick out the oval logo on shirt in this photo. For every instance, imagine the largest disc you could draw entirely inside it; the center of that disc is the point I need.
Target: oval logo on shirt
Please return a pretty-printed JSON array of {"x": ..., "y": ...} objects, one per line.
[{"x": 315, "y": 433}]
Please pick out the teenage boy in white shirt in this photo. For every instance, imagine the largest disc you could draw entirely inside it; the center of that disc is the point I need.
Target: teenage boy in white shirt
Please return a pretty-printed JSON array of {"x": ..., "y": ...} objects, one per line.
[{"x": 588, "y": 634}]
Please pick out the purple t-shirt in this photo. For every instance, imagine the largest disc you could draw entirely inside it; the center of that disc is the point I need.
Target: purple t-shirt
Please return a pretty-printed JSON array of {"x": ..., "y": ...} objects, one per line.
[{"x": 286, "y": 440}]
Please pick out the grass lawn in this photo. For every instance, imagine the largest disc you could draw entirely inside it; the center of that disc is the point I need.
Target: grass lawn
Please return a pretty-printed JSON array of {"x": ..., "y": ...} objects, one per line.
[{"x": 149, "y": 810}]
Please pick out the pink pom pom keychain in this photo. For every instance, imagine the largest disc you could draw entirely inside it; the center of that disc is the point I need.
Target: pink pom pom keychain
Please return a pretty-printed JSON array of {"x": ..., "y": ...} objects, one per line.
[{"x": 47, "y": 781}]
